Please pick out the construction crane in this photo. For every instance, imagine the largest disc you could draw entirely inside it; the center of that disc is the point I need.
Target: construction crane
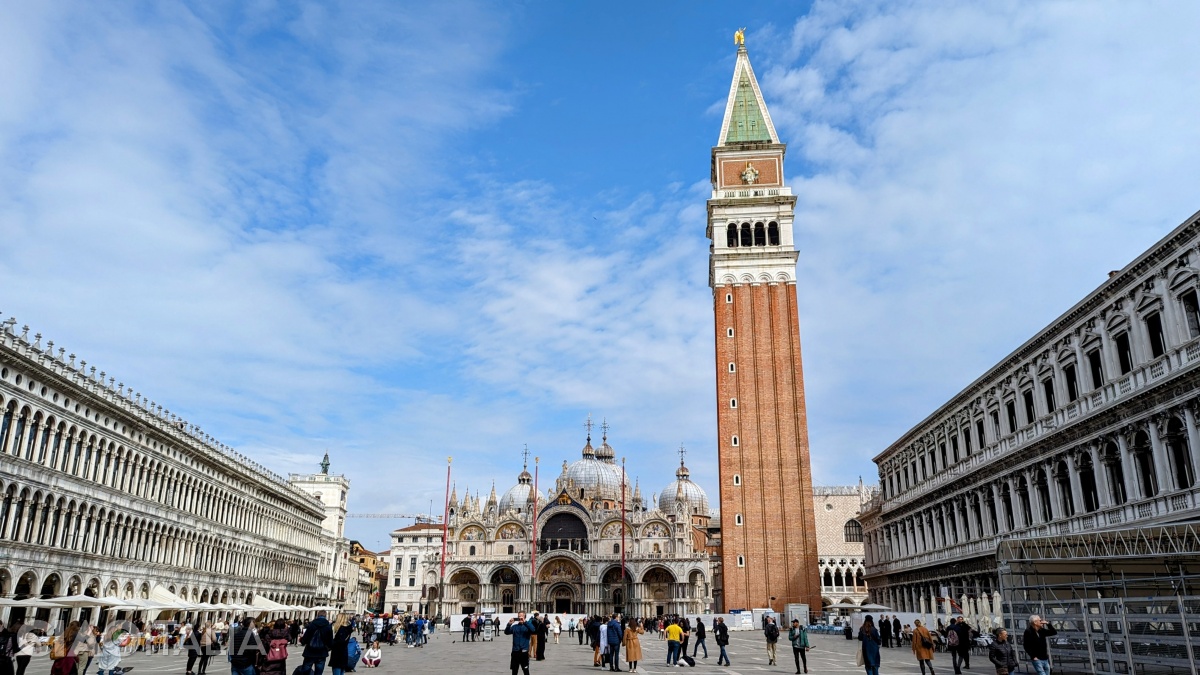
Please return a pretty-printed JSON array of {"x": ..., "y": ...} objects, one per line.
[{"x": 418, "y": 517}]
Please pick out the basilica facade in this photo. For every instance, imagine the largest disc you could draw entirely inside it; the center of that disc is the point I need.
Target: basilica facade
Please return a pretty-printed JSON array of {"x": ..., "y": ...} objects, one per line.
[{"x": 590, "y": 543}]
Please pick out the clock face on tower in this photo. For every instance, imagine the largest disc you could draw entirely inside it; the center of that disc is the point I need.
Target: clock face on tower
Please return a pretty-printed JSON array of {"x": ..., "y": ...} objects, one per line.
[{"x": 750, "y": 175}]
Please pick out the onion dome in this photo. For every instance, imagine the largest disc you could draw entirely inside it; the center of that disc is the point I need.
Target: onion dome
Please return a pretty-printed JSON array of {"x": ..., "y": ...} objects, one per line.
[
  {"x": 598, "y": 478},
  {"x": 518, "y": 498},
  {"x": 682, "y": 488}
]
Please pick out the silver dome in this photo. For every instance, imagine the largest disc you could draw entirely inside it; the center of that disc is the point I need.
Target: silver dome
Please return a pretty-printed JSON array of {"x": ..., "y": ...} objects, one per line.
[
  {"x": 518, "y": 496},
  {"x": 595, "y": 476},
  {"x": 693, "y": 494}
]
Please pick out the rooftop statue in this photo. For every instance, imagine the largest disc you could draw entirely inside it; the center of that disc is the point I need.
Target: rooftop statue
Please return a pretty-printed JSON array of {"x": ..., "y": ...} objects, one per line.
[{"x": 739, "y": 37}]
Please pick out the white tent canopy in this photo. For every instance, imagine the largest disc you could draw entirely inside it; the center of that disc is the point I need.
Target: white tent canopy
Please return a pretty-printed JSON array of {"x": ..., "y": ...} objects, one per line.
[{"x": 266, "y": 604}]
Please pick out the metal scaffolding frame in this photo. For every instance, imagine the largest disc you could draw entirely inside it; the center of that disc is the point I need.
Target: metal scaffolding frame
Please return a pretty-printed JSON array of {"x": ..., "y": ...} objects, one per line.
[{"x": 1123, "y": 601}]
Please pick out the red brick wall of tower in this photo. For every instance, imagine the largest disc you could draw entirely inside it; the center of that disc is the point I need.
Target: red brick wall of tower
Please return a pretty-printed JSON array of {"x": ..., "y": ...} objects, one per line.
[{"x": 777, "y": 537}]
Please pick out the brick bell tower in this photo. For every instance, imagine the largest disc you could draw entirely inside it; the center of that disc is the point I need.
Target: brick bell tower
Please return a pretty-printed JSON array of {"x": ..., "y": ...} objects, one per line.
[{"x": 768, "y": 534}]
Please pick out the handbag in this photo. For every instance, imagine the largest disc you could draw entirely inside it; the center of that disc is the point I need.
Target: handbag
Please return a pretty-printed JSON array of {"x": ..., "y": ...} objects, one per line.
[
  {"x": 926, "y": 643},
  {"x": 858, "y": 658}
]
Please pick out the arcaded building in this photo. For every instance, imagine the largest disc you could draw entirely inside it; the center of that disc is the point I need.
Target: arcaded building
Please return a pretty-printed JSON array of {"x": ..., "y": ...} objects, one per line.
[
  {"x": 1065, "y": 472},
  {"x": 103, "y": 492},
  {"x": 840, "y": 547},
  {"x": 574, "y": 520},
  {"x": 768, "y": 553}
]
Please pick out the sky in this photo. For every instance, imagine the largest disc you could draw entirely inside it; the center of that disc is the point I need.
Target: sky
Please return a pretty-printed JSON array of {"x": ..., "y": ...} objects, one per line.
[{"x": 399, "y": 232}]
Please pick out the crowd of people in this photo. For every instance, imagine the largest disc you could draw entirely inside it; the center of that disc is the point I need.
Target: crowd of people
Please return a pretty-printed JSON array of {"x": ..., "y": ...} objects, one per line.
[{"x": 959, "y": 638}]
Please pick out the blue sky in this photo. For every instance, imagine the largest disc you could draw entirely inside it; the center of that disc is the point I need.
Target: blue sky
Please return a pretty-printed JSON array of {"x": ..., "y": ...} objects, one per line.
[{"x": 399, "y": 232}]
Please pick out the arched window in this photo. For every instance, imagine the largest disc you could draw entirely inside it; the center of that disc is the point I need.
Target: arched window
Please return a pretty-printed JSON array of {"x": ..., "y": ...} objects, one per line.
[
  {"x": 746, "y": 236},
  {"x": 773, "y": 234},
  {"x": 471, "y": 551},
  {"x": 616, "y": 549},
  {"x": 510, "y": 549},
  {"x": 731, "y": 235},
  {"x": 760, "y": 235},
  {"x": 828, "y": 578},
  {"x": 852, "y": 531}
]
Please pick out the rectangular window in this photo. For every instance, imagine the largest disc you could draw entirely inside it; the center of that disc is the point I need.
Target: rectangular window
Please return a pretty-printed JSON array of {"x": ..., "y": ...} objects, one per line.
[
  {"x": 979, "y": 433},
  {"x": 412, "y": 581},
  {"x": 967, "y": 441},
  {"x": 996, "y": 423},
  {"x": 1154, "y": 329},
  {"x": 944, "y": 462},
  {"x": 1124, "y": 353},
  {"x": 954, "y": 447},
  {"x": 1030, "y": 411},
  {"x": 1010, "y": 409},
  {"x": 412, "y": 564},
  {"x": 1097, "y": 368},
  {"x": 1191, "y": 312},
  {"x": 1072, "y": 382},
  {"x": 1048, "y": 391}
]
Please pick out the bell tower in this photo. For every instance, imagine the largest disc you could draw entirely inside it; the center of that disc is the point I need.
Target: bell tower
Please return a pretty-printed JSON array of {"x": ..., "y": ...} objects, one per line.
[{"x": 768, "y": 533}]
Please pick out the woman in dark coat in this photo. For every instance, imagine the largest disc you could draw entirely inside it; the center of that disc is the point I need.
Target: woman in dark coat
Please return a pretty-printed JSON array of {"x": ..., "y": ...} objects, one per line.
[
  {"x": 869, "y": 637},
  {"x": 267, "y": 636},
  {"x": 339, "y": 654}
]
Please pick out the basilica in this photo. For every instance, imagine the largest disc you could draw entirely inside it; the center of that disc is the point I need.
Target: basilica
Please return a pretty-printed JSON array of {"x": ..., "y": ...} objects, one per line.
[{"x": 591, "y": 543}]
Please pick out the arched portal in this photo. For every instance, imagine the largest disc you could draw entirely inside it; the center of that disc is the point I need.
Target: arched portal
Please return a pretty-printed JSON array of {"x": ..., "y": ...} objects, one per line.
[{"x": 563, "y": 531}]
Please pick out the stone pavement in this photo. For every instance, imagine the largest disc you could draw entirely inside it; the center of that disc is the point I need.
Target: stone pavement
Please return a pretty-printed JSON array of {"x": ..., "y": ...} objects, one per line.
[{"x": 445, "y": 654}]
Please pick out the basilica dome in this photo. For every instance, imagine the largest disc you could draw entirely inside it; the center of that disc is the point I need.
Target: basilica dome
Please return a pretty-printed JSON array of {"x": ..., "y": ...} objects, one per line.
[
  {"x": 592, "y": 474},
  {"x": 693, "y": 495},
  {"x": 518, "y": 496}
]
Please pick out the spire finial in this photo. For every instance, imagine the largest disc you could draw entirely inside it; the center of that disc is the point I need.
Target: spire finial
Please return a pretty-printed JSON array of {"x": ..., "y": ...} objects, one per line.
[
  {"x": 525, "y": 458},
  {"x": 604, "y": 429},
  {"x": 682, "y": 452},
  {"x": 588, "y": 425}
]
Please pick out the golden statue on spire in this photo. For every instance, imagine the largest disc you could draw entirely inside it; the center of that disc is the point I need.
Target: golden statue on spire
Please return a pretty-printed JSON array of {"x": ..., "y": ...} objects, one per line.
[{"x": 739, "y": 37}]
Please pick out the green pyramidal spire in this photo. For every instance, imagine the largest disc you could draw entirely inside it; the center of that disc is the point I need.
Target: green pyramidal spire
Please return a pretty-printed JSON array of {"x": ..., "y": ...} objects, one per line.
[{"x": 746, "y": 116}]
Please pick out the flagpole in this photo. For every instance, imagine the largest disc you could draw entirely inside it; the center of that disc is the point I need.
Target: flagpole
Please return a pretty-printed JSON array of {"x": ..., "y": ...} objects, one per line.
[
  {"x": 533, "y": 539},
  {"x": 445, "y": 536},
  {"x": 622, "y": 521}
]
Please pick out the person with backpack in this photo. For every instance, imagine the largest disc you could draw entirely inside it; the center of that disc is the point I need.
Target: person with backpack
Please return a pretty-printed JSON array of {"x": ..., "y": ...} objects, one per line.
[
  {"x": 772, "y": 634},
  {"x": 245, "y": 648},
  {"x": 317, "y": 639},
  {"x": 958, "y": 640},
  {"x": 276, "y": 639},
  {"x": 721, "y": 635}
]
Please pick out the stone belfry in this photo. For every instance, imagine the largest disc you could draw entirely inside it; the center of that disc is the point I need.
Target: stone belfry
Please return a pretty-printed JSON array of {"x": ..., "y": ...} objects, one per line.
[{"x": 768, "y": 535}]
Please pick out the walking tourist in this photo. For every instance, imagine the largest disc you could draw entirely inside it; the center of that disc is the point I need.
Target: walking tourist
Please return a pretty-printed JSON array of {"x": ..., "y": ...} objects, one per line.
[
  {"x": 772, "y": 634},
  {"x": 686, "y": 625},
  {"x": 543, "y": 635},
  {"x": 536, "y": 622},
  {"x": 276, "y": 639},
  {"x": 885, "y": 631},
  {"x": 721, "y": 635},
  {"x": 317, "y": 639},
  {"x": 674, "y": 638},
  {"x": 602, "y": 632},
  {"x": 108, "y": 659},
  {"x": 1035, "y": 644},
  {"x": 700, "y": 634},
  {"x": 869, "y": 637},
  {"x": 521, "y": 632},
  {"x": 571, "y": 627},
  {"x": 897, "y": 632},
  {"x": 614, "y": 635},
  {"x": 557, "y": 628},
  {"x": 339, "y": 649},
  {"x": 245, "y": 648},
  {"x": 798, "y": 636},
  {"x": 633, "y": 644},
  {"x": 62, "y": 654},
  {"x": 593, "y": 634},
  {"x": 27, "y": 645},
  {"x": 958, "y": 639},
  {"x": 1002, "y": 654},
  {"x": 922, "y": 646}
]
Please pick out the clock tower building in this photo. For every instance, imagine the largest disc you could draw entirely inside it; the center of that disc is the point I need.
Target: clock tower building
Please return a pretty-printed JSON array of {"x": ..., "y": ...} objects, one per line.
[{"x": 768, "y": 534}]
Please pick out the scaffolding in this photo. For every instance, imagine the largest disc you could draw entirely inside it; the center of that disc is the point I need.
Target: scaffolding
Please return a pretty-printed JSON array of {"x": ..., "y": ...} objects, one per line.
[{"x": 1123, "y": 601}]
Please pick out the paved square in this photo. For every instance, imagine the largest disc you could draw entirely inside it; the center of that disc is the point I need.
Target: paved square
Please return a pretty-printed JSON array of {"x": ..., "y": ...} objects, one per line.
[{"x": 446, "y": 654}]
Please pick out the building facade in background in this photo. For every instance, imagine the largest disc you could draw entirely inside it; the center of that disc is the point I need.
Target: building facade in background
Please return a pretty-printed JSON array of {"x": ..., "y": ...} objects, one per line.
[
  {"x": 105, "y": 493},
  {"x": 655, "y": 559},
  {"x": 768, "y": 532},
  {"x": 337, "y": 575},
  {"x": 840, "y": 547},
  {"x": 415, "y": 567},
  {"x": 1083, "y": 438}
]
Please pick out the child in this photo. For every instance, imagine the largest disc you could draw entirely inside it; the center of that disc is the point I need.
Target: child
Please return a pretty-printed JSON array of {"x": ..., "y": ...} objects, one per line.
[{"x": 373, "y": 656}]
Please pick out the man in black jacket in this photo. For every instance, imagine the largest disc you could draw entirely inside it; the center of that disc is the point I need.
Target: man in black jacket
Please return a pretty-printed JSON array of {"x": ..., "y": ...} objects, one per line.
[
  {"x": 960, "y": 652},
  {"x": 244, "y": 648},
  {"x": 721, "y": 634},
  {"x": 317, "y": 640},
  {"x": 885, "y": 630},
  {"x": 1035, "y": 644},
  {"x": 699, "y": 638},
  {"x": 543, "y": 632}
]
